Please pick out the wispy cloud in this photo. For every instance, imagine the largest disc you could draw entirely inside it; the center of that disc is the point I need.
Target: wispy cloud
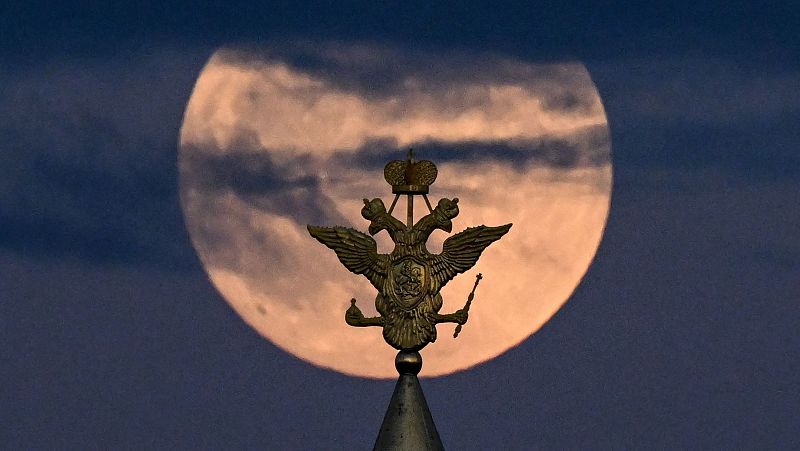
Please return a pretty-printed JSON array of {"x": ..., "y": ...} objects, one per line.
[{"x": 290, "y": 109}]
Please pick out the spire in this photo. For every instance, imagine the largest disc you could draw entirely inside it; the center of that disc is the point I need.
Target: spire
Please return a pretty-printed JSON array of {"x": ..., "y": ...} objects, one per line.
[{"x": 408, "y": 424}]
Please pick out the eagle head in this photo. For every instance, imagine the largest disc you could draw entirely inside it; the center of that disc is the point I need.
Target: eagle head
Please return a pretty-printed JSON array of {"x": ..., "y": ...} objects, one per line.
[
  {"x": 446, "y": 210},
  {"x": 375, "y": 212}
]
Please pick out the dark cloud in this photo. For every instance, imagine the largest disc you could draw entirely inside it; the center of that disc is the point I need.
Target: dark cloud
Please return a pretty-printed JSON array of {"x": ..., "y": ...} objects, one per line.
[
  {"x": 692, "y": 90},
  {"x": 749, "y": 152},
  {"x": 91, "y": 150},
  {"x": 587, "y": 148},
  {"x": 729, "y": 115},
  {"x": 244, "y": 170},
  {"x": 284, "y": 189}
]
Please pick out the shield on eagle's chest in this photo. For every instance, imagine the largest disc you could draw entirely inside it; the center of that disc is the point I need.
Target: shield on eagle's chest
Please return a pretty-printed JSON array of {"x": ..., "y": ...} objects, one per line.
[{"x": 408, "y": 281}]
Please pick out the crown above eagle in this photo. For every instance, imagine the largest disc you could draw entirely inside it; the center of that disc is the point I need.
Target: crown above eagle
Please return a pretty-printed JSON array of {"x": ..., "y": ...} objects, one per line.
[{"x": 409, "y": 176}]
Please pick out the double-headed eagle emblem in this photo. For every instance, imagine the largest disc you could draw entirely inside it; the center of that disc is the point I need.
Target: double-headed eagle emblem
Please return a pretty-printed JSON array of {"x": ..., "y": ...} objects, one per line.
[{"x": 410, "y": 278}]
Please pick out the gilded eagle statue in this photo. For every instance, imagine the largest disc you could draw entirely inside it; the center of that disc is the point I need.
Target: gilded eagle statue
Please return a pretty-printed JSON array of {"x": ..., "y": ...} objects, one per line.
[{"x": 410, "y": 278}]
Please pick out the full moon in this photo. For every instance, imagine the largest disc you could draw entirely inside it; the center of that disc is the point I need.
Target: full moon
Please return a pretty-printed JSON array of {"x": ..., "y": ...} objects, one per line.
[{"x": 274, "y": 139}]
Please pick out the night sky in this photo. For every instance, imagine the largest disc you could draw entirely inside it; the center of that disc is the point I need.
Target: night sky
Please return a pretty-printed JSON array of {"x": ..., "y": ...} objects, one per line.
[{"x": 683, "y": 334}]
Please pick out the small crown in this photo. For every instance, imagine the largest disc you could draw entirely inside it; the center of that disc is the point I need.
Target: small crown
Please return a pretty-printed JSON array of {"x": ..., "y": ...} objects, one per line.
[{"x": 409, "y": 176}]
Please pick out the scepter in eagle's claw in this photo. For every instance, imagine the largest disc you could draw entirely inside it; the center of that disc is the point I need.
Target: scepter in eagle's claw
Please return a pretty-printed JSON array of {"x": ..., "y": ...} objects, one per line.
[{"x": 469, "y": 302}]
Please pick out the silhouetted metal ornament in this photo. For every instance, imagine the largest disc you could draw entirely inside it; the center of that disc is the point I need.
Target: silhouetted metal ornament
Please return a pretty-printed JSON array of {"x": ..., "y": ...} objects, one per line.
[{"x": 409, "y": 280}]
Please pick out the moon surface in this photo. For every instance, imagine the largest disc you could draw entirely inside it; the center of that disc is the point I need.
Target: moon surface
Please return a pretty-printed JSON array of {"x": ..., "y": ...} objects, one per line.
[{"x": 274, "y": 139}]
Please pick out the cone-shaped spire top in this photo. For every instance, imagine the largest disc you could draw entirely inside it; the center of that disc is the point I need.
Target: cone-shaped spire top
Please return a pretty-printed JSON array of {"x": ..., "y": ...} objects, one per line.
[{"x": 408, "y": 424}]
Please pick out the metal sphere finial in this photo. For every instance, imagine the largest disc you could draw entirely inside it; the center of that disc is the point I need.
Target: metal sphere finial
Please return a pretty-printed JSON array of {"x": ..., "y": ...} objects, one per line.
[{"x": 408, "y": 362}]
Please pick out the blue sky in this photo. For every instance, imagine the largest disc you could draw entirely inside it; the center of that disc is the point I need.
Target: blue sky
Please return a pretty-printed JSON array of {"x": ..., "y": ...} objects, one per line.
[{"x": 682, "y": 334}]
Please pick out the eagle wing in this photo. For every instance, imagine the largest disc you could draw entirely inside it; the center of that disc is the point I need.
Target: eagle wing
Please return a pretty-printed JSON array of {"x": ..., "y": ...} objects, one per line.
[
  {"x": 460, "y": 252},
  {"x": 357, "y": 251}
]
